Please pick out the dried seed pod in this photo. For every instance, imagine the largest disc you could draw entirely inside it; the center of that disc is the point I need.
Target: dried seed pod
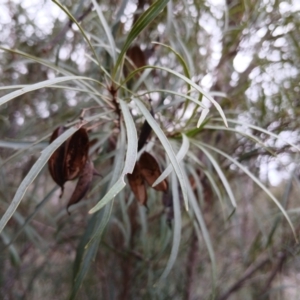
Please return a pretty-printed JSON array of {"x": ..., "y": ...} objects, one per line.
[
  {"x": 137, "y": 185},
  {"x": 83, "y": 183},
  {"x": 137, "y": 55},
  {"x": 150, "y": 170},
  {"x": 76, "y": 154},
  {"x": 68, "y": 160},
  {"x": 145, "y": 132},
  {"x": 138, "y": 58},
  {"x": 56, "y": 161}
]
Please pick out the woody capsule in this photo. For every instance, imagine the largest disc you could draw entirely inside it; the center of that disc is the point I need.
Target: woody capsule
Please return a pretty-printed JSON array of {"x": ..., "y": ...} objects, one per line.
[
  {"x": 146, "y": 169},
  {"x": 71, "y": 161}
]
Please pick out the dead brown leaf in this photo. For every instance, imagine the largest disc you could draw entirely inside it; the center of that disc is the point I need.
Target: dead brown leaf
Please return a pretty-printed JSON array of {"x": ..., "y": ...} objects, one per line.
[{"x": 83, "y": 184}]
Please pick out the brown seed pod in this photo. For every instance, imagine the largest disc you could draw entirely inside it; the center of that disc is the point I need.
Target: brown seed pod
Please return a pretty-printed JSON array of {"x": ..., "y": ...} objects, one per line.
[
  {"x": 56, "y": 161},
  {"x": 69, "y": 159},
  {"x": 150, "y": 170},
  {"x": 83, "y": 183},
  {"x": 137, "y": 185},
  {"x": 76, "y": 154},
  {"x": 145, "y": 132},
  {"x": 137, "y": 55}
]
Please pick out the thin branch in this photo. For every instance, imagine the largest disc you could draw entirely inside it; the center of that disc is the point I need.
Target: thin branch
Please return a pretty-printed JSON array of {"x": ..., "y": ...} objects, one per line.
[{"x": 239, "y": 284}]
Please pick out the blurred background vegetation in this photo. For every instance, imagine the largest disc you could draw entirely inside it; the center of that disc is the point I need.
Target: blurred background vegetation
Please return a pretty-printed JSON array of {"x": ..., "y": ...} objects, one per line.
[{"x": 246, "y": 55}]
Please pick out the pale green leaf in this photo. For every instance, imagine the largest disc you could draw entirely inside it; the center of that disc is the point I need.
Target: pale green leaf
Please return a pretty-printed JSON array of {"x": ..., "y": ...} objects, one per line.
[
  {"x": 177, "y": 229},
  {"x": 39, "y": 85},
  {"x": 255, "y": 179},
  {"x": 166, "y": 144},
  {"x": 36, "y": 168},
  {"x": 180, "y": 155},
  {"x": 132, "y": 140},
  {"x": 203, "y": 115}
]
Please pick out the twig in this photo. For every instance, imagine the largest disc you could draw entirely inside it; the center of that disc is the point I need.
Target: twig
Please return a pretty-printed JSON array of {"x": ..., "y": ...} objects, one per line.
[
  {"x": 276, "y": 269},
  {"x": 190, "y": 267},
  {"x": 239, "y": 284}
]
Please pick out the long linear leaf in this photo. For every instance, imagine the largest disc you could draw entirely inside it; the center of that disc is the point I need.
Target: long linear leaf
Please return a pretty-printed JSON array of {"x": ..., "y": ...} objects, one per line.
[
  {"x": 203, "y": 115},
  {"x": 115, "y": 189},
  {"x": 260, "y": 129},
  {"x": 176, "y": 94},
  {"x": 36, "y": 168},
  {"x": 117, "y": 182},
  {"x": 132, "y": 139},
  {"x": 166, "y": 144},
  {"x": 58, "y": 69},
  {"x": 187, "y": 80},
  {"x": 186, "y": 69},
  {"x": 39, "y": 143},
  {"x": 177, "y": 229},
  {"x": 107, "y": 30},
  {"x": 180, "y": 155},
  {"x": 206, "y": 237},
  {"x": 39, "y": 85},
  {"x": 130, "y": 160},
  {"x": 255, "y": 179},
  {"x": 143, "y": 21},
  {"x": 220, "y": 174},
  {"x": 209, "y": 176},
  {"x": 89, "y": 244},
  {"x": 69, "y": 14},
  {"x": 84, "y": 254},
  {"x": 32, "y": 215},
  {"x": 248, "y": 135}
]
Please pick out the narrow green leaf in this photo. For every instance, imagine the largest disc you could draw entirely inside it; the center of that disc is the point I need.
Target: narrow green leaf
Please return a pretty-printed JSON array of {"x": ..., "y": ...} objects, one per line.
[
  {"x": 246, "y": 134},
  {"x": 198, "y": 88},
  {"x": 60, "y": 70},
  {"x": 144, "y": 20},
  {"x": 131, "y": 157},
  {"x": 39, "y": 144},
  {"x": 89, "y": 244},
  {"x": 85, "y": 255},
  {"x": 22, "y": 145},
  {"x": 196, "y": 101},
  {"x": 187, "y": 80},
  {"x": 186, "y": 70},
  {"x": 255, "y": 179},
  {"x": 117, "y": 182},
  {"x": 12, "y": 249},
  {"x": 115, "y": 189},
  {"x": 32, "y": 215},
  {"x": 180, "y": 59},
  {"x": 69, "y": 14},
  {"x": 177, "y": 229},
  {"x": 203, "y": 115},
  {"x": 261, "y": 130},
  {"x": 39, "y": 85},
  {"x": 166, "y": 144},
  {"x": 220, "y": 174},
  {"x": 205, "y": 233},
  {"x": 208, "y": 175},
  {"x": 107, "y": 30},
  {"x": 180, "y": 155},
  {"x": 34, "y": 171},
  {"x": 132, "y": 139}
]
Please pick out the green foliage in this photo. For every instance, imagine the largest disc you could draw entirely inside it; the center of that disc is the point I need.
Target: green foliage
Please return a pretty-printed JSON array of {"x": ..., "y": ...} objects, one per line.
[{"x": 217, "y": 84}]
